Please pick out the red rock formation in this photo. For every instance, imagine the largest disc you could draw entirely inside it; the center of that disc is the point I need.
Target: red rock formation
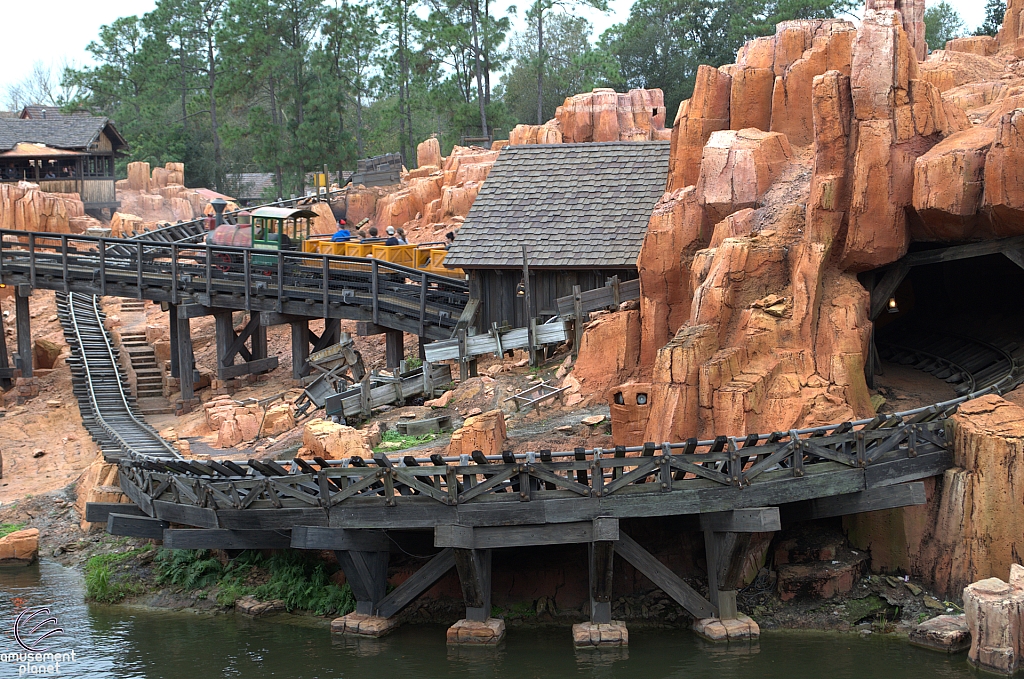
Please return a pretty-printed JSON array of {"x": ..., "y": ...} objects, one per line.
[
  {"x": 610, "y": 351},
  {"x": 23, "y": 206},
  {"x": 947, "y": 69},
  {"x": 751, "y": 97},
  {"x": 676, "y": 227},
  {"x": 982, "y": 45},
  {"x": 1011, "y": 33},
  {"x": 485, "y": 432},
  {"x": 948, "y": 186},
  {"x": 548, "y": 133},
  {"x": 1004, "y": 176},
  {"x": 737, "y": 168},
  {"x": 705, "y": 112},
  {"x": 912, "y": 14},
  {"x": 428, "y": 153}
]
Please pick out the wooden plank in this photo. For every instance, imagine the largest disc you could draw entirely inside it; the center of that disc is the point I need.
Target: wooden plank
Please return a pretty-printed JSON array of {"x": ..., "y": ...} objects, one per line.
[
  {"x": 478, "y": 345},
  {"x": 97, "y": 512},
  {"x": 199, "y": 517},
  {"x": 417, "y": 583},
  {"x": 988, "y": 247},
  {"x": 136, "y": 526},
  {"x": 873, "y": 499},
  {"x": 886, "y": 287},
  {"x": 665, "y": 579},
  {"x": 751, "y": 520},
  {"x": 321, "y": 537},
  {"x": 260, "y": 365},
  {"x": 494, "y": 537},
  {"x": 907, "y": 469},
  {"x": 219, "y": 538},
  {"x": 474, "y": 566},
  {"x": 599, "y": 298}
]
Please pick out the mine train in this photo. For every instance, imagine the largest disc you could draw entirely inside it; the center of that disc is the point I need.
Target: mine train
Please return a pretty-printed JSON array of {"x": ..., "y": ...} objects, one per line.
[{"x": 288, "y": 229}]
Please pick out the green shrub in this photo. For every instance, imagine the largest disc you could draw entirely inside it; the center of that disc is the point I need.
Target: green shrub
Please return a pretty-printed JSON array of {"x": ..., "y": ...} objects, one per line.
[
  {"x": 391, "y": 436},
  {"x": 8, "y": 528},
  {"x": 188, "y": 568},
  {"x": 109, "y": 578}
]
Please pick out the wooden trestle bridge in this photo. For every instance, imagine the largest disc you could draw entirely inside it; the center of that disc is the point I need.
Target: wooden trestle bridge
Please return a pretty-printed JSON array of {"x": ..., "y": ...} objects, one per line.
[{"x": 731, "y": 487}]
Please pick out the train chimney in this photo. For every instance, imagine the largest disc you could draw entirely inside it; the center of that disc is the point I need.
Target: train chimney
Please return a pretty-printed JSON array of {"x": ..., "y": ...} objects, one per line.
[{"x": 218, "y": 207}]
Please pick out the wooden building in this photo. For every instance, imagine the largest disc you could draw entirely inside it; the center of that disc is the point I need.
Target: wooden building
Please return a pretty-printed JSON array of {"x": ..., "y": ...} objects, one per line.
[
  {"x": 72, "y": 153},
  {"x": 581, "y": 210}
]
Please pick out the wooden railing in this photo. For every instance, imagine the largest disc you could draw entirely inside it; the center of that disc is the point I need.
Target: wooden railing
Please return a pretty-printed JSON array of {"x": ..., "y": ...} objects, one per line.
[
  {"x": 622, "y": 472},
  {"x": 298, "y": 283}
]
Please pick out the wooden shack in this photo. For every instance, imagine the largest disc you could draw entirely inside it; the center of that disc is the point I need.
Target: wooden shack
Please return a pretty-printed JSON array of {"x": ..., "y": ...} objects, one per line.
[
  {"x": 63, "y": 153},
  {"x": 581, "y": 210}
]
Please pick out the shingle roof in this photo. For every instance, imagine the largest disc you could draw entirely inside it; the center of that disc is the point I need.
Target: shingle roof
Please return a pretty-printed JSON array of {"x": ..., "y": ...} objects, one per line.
[
  {"x": 69, "y": 132},
  {"x": 37, "y": 111},
  {"x": 572, "y": 205}
]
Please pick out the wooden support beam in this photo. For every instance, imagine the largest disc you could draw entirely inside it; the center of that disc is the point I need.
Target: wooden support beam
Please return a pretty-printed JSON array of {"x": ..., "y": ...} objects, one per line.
[
  {"x": 23, "y": 323},
  {"x": 367, "y": 575},
  {"x": 300, "y": 348},
  {"x": 474, "y": 566},
  {"x": 1015, "y": 256},
  {"x": 394, "y": 348},
  {"x": 194, "y": 310},
  {"x": 951, "y": 254},
  {"x": 664, "y": 578},
  {"x": 253, "y": 367},
  {"x": 369, "y": 328},
  {"x": 601, "y": 557},
  {"x": 97, "y": 512},
  {"x": 491, "y": 537},
  {"x": 418, "y": 583},
  {"x": 871, "y": 500},
  {"x": 136, "y": 526},
  {"x": 173, "y": 336},
  {"x": 750, "y": 520},
  {"x": 886, "y": 287},
  {"x": 186, "y": 360},
  {"x": 346, "y": 539},
  {"x": 220, "y": 538}
]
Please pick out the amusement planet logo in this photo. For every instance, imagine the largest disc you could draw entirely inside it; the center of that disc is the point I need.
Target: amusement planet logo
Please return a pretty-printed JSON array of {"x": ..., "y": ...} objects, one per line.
[{"x": 33, "y": 628}]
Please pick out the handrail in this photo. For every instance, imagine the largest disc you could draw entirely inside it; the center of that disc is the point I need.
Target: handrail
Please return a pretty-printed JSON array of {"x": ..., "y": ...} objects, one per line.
[{"x": 63, "y": 239}]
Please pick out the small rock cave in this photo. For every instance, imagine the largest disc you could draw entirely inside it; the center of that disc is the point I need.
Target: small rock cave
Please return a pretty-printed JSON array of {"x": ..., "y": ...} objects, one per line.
[{"x": 950, "y": 328}]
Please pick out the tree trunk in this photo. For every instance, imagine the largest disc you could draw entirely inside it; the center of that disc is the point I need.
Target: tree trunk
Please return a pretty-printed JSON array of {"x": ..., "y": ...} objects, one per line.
[
  {"x": 212, "y": 80},
  {"x": 359, "y": 124},
  {"x": 475, "y": 19},
  {"x": 540, "y": 64}
]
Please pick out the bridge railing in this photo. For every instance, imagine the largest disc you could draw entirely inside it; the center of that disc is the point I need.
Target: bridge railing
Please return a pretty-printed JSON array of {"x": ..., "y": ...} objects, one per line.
[
  {"x": 582, "y": 473},
  {"x": 243, "y": 278}
]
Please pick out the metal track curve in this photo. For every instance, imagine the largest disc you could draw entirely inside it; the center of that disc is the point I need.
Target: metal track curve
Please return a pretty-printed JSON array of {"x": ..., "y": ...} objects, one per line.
[{"x": 107, "y": 407}]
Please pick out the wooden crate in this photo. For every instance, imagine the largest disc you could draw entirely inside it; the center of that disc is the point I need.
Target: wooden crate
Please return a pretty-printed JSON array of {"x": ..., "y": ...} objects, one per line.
[{"x": 404, "y": 255}]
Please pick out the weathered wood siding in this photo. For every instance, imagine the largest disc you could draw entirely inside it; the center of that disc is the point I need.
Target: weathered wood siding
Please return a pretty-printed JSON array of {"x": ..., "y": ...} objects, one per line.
[
  {"x": 98, "y": 191},
  {"x": 496, "y": 289}
]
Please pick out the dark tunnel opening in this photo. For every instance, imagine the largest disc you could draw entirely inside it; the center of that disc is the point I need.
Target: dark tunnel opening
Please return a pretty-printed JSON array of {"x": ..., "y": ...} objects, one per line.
[{"x": 951, "y": 328}]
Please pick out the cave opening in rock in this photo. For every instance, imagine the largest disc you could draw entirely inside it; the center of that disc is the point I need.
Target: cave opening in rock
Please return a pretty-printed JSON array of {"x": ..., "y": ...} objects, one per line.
[{"x": 950, "y": 328}]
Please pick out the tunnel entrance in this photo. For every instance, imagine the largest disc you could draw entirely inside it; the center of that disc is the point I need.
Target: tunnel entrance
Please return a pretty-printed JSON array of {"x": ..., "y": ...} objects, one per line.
[{"x": 949, "y": 328}]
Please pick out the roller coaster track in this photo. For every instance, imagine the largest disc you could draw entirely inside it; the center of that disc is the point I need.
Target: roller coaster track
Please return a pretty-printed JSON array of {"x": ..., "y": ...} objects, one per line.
[
  {"x": 967, "y": 363},
  {"x": 108, "y": 409}
]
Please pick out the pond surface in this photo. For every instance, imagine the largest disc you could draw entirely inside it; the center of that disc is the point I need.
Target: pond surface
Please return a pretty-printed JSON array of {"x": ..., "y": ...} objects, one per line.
[{"x": 124, "y": 643}]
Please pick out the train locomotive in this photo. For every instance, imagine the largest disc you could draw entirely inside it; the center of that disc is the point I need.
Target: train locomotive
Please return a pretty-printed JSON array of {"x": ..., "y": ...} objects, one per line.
[{"x": 265, "y": 229}]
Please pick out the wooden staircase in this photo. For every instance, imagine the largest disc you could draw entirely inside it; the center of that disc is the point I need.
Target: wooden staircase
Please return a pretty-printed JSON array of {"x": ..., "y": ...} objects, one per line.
[{"x": 148, "y": 383}]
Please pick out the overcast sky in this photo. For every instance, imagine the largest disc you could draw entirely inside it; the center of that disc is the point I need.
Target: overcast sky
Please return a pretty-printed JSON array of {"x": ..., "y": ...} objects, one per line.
[{"x": 58, "y": 30}]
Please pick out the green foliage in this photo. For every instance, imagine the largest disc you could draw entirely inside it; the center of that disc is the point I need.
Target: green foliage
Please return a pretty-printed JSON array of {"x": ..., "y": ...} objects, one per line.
[
  {"x": 8, "y": 528},
  {"x": 301, "y": 581},
  {"x": 571, "y": 66},
  {"x": 413, "y": 362},
  {"x": 188, "y": 568},
  {"x": 401, "y": 441},
  {"x": 994, "y": 11},
  {"x": 110, "y": 578},
  {"x": 941, "y": 24}
]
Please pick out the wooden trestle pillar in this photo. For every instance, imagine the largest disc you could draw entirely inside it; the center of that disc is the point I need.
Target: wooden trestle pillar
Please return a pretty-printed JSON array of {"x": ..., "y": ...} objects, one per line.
[
  {"x": 728, "y": 538},
  {"x": 601, "y": 559},
  {"x": 24, "y": 327},
  {"x": 231, "y": 344},
  {"x": 186, "y": 359},
  {"x": 367, "y": 575},
  {"x": 474, "y": 566}
]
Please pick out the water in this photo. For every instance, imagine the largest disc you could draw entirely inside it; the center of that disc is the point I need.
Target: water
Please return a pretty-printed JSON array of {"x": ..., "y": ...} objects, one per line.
[{"x": 124, "y": 643}]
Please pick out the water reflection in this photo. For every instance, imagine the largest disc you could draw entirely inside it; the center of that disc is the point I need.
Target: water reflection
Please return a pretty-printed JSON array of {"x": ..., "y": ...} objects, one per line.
[{"x": 113, "y": 642}]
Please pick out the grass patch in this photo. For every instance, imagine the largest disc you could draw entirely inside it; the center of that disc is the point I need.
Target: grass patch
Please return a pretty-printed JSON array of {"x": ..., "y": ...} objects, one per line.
[
  {"x": 301, "y": 581},
  {"x": 392, "y": 441},
  {"x": 8, "y": 528},
  {"x": 110, "y": 578}
]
